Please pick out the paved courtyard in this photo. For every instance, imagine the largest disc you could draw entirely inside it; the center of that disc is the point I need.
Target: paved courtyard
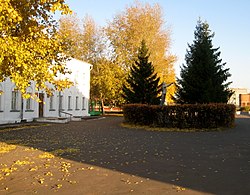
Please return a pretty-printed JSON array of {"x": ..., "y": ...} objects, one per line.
[{"x": 102, "y": 157}]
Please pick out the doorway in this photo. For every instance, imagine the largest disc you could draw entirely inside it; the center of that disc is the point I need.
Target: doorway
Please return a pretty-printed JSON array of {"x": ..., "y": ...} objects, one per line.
[{"x": 41, "y": 104}]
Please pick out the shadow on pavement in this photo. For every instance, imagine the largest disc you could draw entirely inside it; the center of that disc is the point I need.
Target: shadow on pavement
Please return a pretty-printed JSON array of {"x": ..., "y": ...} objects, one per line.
[{"x": 211, "y": 162}]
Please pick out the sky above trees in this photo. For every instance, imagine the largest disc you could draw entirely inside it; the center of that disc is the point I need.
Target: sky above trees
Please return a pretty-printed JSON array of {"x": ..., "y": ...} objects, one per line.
[{"x": 228, "y": 19}]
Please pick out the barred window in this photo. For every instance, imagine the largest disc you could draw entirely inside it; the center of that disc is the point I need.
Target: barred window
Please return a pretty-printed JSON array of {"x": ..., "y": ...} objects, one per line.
[
  {"x": 69, "y": 103},
  {"x": 77, "y": 103},
  {"x": 28, "y": 103},
  {"x": 14, "y": 100},
  {"x": 51, "y": 102},
  {"x": 83, "y": 103},
  {"x": 1, "y": 96}
]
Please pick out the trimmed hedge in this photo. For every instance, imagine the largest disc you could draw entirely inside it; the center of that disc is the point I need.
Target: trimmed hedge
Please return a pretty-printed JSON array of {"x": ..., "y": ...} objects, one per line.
[{"x": 196, "y": 116}]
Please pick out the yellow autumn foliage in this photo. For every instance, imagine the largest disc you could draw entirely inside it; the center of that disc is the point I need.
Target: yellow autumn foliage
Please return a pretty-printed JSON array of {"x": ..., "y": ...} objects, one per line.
[
  {"x": 23, "y": 162},
  {"x": 5, "y": 148},
  {"x": 142, "y": 21},
  {"x": 112, "y": 49},
  {"x": 46, "y": 155},
  {"x": 30, "y": 47}
]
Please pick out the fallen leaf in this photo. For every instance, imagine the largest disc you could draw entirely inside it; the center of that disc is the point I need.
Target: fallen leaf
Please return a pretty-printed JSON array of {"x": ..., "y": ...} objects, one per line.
[
  {"x": 46, "y": 155},
  {"x": 178, "y": 188},
  {"x": 33, "y": 168},
  {"x": 41, "y": 180},
  {"x": 58, "y": 185},
  {"x": 72, "y": 182},
  {"x": 48, "y": 174},
  {"x": 22, "y": 163}
]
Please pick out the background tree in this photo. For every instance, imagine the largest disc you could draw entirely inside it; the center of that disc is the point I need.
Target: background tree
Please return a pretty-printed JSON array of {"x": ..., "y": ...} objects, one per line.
[
  {"x": 86, "y": 41},
  {"x": 83, "y": 38},
  {"x": 203, "y": 78},
  {"x": 142, "y": 22},
  {"x": 30, "y": 47},
  {"x": 70, "y": 34},
  {"x": 116, "y": 46},
  {"x": 143, "y": 83},
  {"x": 106, "y": 82}
]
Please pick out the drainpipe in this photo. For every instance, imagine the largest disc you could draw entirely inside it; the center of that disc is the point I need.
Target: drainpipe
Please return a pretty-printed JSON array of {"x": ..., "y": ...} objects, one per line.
[
  {"x": 59, "y": 105},
  {"x": 21, "y": 114}
]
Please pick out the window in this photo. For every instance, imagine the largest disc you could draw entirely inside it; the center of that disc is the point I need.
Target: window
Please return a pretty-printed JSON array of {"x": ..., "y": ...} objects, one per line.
[
  {"x": 14, "y": 100},
  {"x": 1, "y": 96},
  {"x": 77, "y": 103},
  {"x": 0, "y": 100},
  {"x": 60, "y": 102},
  {"x": 29, "y": 100},
  {"x": 51, "y": 102},
  {"x": 83, "y": 103},
  {"x": 69, "y": 102},
  {"x": 28, "y": 103}
]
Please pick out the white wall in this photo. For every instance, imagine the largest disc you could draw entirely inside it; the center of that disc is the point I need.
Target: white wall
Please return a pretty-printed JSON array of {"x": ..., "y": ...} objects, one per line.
[
  {"x": 235, "y": 98},
  {"x": 80, "y": 76},
  {"x": 8, "y": 114}
]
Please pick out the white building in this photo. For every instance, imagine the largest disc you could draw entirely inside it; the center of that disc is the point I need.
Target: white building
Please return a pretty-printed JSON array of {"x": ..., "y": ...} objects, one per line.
[
  {"x": 235, "y": 98},
  {"x": 72, "y": 102}
]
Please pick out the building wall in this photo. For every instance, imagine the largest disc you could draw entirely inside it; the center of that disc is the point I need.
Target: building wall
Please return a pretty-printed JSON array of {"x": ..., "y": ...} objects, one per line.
[
  {"x": 10, "y": 114},
  {"x": 235, "y": 98},
  {"x": 244, "y": 100},
  {"x": 24, "y": 109}
]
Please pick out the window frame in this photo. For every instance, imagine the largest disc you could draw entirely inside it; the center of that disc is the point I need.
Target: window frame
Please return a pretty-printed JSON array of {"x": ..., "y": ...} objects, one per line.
[
  {"x": 1, "y": 98},
  {"x": 51, "y": 102},
  {"x": 14, "y": 100},
  {"x": 28, "y": 103},
  {"x": 83, "y": 103},
  {"x": 69, "y": 102},
  {"x": 77, "y": 103}
]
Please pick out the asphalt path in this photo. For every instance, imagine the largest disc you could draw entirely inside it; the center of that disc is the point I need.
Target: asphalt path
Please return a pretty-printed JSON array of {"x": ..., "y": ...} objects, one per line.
[{"x": 205, "y": 162}]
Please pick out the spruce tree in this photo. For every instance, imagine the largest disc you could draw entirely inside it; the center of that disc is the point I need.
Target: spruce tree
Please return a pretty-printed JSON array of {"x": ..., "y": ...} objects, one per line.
[
  {"x": 203, "y": 78},
  {"x": 142, "y": 82}
]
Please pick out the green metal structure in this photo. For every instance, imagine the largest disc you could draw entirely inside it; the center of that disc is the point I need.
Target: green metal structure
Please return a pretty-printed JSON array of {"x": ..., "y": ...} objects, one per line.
[{"x": 95, "y": 108}]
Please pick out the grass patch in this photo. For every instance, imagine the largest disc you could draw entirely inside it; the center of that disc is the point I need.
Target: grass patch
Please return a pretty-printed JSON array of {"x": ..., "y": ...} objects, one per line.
[
  {"x": 113, "y": 114},
  {"x": 164, "y": 129},
  {"x": 19, "y": 127},
  {"x": 60, "y": 152}
]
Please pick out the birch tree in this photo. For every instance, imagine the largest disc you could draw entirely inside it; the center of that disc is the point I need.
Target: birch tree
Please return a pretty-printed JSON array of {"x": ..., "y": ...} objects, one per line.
[{"x": 142, "y": 22}]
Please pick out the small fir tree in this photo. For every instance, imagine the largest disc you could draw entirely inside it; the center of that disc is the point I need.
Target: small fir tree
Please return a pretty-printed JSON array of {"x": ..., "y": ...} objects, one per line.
[
  {"x": 142, "y": 82},
  {"x": 203, "y": 79}
]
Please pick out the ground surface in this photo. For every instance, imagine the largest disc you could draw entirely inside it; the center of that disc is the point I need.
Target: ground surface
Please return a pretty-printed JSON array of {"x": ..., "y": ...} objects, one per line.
[{"x": 101, "y": 157}]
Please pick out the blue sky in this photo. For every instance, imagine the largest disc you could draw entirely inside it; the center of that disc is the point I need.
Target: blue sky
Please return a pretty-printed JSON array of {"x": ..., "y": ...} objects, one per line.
[{"x": 229, "y": 19}]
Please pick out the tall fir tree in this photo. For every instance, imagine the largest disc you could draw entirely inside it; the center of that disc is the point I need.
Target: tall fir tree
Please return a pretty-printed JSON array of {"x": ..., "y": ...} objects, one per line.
[
  {"x": 203, "y": 78},
  {"x": 142, "y": 82}
]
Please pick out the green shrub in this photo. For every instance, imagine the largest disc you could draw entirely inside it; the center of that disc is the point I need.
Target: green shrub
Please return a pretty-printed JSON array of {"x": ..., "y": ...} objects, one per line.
[
  {"x": 181, "y": 116},
  {"x": 138, "y": 114},
  {"x": 247, "y": 108}
]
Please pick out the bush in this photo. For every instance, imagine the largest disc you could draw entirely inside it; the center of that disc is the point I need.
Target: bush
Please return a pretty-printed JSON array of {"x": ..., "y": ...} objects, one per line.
[
  {"x": 181, "y": 116},
  {"x": 246, "y": 108},
  {"x": 139, "y": 114}
]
